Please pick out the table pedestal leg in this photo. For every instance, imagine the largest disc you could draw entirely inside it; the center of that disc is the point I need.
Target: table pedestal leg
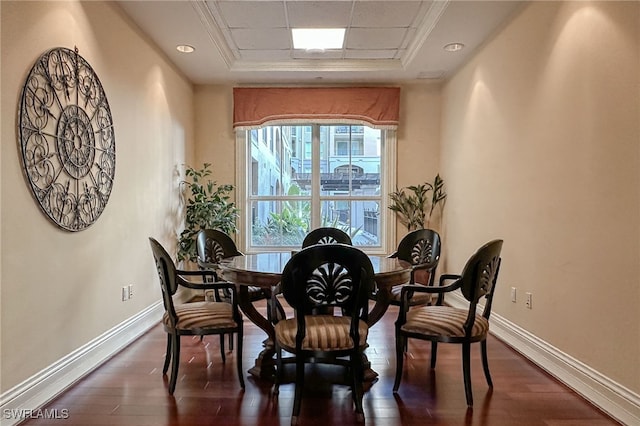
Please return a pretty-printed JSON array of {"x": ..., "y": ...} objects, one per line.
[
  {"x": 264, "y": 367},
  {"x": 375, "y": 314}
]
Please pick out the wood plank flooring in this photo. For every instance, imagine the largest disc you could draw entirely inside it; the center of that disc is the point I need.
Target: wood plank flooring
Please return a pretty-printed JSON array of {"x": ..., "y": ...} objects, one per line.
[{"x": 129, "y": 389}]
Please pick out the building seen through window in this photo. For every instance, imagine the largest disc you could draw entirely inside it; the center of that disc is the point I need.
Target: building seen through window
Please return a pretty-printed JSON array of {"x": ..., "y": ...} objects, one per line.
[{"x": 307, "y": 176}]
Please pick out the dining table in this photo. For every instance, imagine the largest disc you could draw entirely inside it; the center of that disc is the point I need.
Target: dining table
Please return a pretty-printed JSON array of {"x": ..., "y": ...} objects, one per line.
[{"x": 264, "y": 270}]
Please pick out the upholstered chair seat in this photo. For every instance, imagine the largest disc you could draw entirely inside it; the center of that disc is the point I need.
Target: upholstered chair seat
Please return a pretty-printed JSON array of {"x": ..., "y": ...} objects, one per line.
[
  {"x": 202, "y": 315},
  {"x": 443, "y": 321},
  {"x": 324, "y": 333}
]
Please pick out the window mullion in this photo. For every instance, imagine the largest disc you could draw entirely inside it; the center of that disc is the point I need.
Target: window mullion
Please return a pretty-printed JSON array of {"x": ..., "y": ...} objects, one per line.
[{"x": 315, "y": 177}]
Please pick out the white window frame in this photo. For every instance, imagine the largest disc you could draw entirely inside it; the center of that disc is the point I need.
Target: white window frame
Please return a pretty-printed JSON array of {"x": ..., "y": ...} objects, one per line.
[{"x": 387, "y": 185}]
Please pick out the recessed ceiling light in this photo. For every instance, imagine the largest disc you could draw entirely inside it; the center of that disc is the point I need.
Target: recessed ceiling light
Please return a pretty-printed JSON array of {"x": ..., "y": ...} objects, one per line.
[
  {"x": 317, "y": 39},
  {"x": 453, "y": 47},
  {"x": 185, "y": 48}
]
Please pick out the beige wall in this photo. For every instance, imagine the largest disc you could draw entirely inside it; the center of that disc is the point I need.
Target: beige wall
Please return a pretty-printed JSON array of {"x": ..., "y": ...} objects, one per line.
[
  {"x": 214, "y": 131},
  {"x": 540, "y": 143},
  {"x": 418, "y": 153},
  {"x": 59, "y": 290}
]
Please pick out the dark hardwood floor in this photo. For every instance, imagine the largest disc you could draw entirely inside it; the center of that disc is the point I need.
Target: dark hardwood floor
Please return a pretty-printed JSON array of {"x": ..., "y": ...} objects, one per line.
[{"x": 129, "y": 389}]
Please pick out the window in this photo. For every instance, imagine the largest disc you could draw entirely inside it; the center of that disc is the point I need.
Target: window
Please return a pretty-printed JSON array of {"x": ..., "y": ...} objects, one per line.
[{"x": 315, "y": 175}]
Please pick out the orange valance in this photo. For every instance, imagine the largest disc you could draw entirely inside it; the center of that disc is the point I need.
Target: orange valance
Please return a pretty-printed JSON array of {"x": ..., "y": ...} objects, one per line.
[{"x": 254, "y": 107}]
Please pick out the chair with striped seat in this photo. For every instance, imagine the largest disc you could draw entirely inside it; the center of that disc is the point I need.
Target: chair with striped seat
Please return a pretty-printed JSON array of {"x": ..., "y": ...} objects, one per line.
[
  {"x": 213, "y": 246},
  {"x": 421, "y": 248},
  {"x": 194, "y": 318},
  {"x": 446, "y": 324},
  {"x": 316, "y": 282}
]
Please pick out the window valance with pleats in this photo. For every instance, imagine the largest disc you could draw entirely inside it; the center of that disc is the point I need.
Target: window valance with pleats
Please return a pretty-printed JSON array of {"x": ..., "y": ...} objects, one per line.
[{"x": 254, "y": 107}]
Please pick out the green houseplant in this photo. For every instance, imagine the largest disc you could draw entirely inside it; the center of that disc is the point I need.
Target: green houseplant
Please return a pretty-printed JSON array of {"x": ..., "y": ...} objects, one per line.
[
  {"x": 207, "y": 206},
  {"x": 415, "y": 204}
]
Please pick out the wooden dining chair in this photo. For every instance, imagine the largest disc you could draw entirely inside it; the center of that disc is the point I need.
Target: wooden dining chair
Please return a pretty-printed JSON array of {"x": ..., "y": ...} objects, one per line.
[
  {"x": 421, "y": 248},
  {"x": 326, "y": 235},
  {"x": 315, "y": 280},
  {"x": 446, "y": 324},
  {"x": 194, "y": 318},
  {"x": 213, "y": 246}
]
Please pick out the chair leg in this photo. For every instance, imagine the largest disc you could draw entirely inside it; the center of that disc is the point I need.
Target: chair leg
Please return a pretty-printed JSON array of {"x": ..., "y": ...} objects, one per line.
[
  {"x": 231, "y": 342},
  {"x": 485, "y": 363},
  {"x": 167, "y": 356},
  {"x": 281, "y": 313},
  {"x": 466, "y": 369},
  {"x": 434, "y": 354},
  {"x": 357, "y": 374},
  {"x": 239, "y": 358},
  {"x": 176, "y": 362},
  {"x": 401, "y": 342},
  {"x": 222, "y": 355},
  {"x": 297, "y": 399},
  {"x": 279, "y": 369}
]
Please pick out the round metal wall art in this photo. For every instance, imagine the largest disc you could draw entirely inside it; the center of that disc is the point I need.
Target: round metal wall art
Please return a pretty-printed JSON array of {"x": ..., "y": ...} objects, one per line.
[{"x": 66, "y": 139}]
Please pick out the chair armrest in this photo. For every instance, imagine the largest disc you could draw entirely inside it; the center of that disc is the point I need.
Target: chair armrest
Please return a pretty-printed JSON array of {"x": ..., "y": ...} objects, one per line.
[
  {"x": 203, "y": 272},
  {"x": 408, "y": 290},
  {"x": 445, "y": 277},
  {"x": 203, "y": 285}
]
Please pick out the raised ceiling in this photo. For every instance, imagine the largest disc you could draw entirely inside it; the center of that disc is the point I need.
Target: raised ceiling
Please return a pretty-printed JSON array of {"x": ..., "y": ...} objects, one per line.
[{"x": 386, "y": 41}]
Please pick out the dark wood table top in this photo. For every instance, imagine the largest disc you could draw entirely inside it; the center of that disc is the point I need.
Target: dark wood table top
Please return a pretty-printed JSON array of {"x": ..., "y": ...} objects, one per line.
[{"x": 265, "y": 269}]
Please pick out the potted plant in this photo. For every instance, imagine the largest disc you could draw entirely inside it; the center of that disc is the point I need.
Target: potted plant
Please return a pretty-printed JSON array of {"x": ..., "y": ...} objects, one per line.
[
  {"x": 207, "y": 206},
  {"x": 414, "y": 206}
]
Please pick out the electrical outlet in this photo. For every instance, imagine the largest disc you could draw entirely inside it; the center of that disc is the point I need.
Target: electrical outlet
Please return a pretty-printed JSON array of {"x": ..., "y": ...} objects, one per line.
[
  {"x": 125, "y": 294},
  {"x": 209, "y": 296},
  {"x": 513, "y": 294},
  {"x": 528, "y": 302},
  {"x": 130, "y": 291}
]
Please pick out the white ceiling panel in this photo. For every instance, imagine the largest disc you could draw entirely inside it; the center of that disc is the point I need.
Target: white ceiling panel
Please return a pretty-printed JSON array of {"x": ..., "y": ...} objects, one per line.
[
  {"x": 251, "y": 14},
  {"x": 375, "y": 38},
  {"x": 267, "y": 38},
  {"x": 319, "y": 14},
  {"x": 385, "y": 13}
]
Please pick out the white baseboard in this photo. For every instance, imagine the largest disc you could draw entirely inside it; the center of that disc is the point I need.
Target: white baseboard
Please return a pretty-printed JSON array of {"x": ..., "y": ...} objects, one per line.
[
  {"x": 26, "y": 398},
  {"x": 612, "y": 398}
]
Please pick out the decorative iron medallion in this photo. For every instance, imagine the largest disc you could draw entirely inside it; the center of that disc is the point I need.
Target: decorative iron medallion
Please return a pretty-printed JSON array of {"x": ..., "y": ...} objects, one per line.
[{"x": 67, "y": 140}]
